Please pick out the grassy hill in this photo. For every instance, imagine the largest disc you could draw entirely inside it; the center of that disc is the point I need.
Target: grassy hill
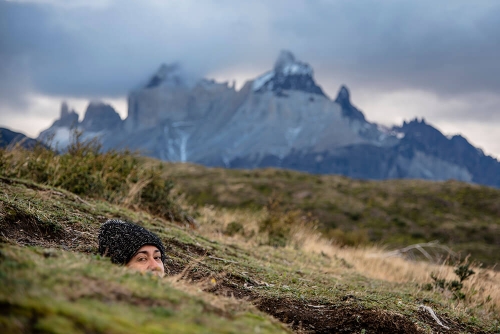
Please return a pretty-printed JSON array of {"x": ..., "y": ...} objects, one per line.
[
  {"x": 393, "y": 213},
  {"x": 244, "y": 256}
]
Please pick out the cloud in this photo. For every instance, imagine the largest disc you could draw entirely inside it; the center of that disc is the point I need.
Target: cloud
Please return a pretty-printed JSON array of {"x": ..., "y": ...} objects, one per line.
[
  {"x": 89, "y": 49},
  {"x": 448, "y": 46},
  {"x": 93, "y": 51}
]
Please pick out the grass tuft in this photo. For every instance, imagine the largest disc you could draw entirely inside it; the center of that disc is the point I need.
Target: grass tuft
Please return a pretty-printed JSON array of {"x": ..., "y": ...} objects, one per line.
[{"x": 119, "y": 177}]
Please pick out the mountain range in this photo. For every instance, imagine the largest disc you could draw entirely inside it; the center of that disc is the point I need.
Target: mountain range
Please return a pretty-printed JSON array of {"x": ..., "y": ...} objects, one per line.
[{"x": 282, "y": 118}]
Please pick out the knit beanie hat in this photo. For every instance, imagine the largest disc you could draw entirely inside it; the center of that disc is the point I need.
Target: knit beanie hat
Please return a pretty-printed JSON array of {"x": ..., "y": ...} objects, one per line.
[{"x": 121, "y": 240}]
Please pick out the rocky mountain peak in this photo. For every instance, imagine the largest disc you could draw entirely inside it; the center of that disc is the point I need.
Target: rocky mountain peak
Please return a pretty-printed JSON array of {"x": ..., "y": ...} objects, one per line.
[
  {"x": 343, "y": 95},
  {"x": 417, "y": 125},
  {"x": 288, "y": 74},
  {"x": 64, "y": 109},
  {"x": 100, "y": 116},
  {"x": 348, "y": 110},
  {"x": 68, "y": 118},
  {"x": 274, "y": 121}
]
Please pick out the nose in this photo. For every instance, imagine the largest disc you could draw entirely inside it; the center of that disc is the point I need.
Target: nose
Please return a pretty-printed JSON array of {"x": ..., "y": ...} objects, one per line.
[{"x": 154, "y": 266}]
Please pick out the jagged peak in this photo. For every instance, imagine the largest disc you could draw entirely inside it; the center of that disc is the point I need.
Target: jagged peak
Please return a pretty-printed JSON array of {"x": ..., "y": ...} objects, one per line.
[
  {"x": 415, "y": 121},
  {"x": 100, "y": 116},
  {"x": 343, "y": 95},
  {"x": 288, "y": 74},
  {"x": 348, "y": 110},
  {"x": 67, "y": 117},
  {"x": 65, "y": 111}
]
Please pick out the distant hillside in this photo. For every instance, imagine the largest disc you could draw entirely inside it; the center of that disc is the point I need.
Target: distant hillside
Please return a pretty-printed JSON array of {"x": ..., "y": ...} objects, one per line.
[
  {"x": 9, "y": 138},
  {"x": 393, "y": 213}
]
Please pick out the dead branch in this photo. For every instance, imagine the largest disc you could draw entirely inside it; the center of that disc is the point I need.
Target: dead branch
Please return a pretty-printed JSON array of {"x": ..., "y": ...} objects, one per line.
[
  {"x": 433, "y": 315},
  {"x": 424, "y": 249}
]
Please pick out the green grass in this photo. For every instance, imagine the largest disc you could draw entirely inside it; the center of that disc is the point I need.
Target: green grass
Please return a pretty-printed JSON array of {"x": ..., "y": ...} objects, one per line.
[
  {"x": 53, "y": 281},
  {"x": 393, "y": 213},
  {"x": 60, "y": 285},
  {"x": 73, "y": 293}
]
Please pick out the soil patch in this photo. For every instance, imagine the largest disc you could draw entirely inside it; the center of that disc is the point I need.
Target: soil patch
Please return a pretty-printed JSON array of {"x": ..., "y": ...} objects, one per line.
[
  {"x": 453, "y": 326},
  {"x": 180, "y": 256},
  {"x": 29, "y": 230},
  {"x": 310, "y": 318},
  {"x": 191, "y": 249},
  {"x": 306, "y": 316}
]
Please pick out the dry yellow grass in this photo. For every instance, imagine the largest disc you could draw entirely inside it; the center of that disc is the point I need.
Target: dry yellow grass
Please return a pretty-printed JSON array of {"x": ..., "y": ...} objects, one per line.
[{"x": 482, "y": 288}]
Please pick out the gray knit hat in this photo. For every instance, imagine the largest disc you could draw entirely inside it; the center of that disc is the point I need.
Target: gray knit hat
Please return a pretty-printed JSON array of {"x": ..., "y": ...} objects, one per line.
[{"x": 121, "y": 240}]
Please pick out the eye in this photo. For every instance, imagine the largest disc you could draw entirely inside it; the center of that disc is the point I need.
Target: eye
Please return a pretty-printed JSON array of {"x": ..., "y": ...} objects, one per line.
[
  {"x": 158, "y": 258},
  {"x": 141, "y": 259}
]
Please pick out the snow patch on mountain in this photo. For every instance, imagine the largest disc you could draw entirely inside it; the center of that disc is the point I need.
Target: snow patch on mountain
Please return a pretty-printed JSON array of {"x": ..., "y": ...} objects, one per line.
[
  {"x": 390, "y": 132},
  {"x": 288, "y": 74},
  {"x": 262, "y": 80}
]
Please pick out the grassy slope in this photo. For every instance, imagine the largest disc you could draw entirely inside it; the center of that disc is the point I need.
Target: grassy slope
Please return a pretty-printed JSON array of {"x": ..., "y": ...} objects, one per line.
[
  {"x": 393, "y": 213},
  {"x": 47, "y": 289},
  {"x": 51, "y": 280}
]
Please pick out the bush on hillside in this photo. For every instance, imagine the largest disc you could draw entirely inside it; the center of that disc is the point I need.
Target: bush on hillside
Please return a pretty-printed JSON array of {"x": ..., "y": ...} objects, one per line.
[
  {"x": 84, "y": 169},
  {"x": 279, "y": 223},
  {"x": 463, "y": 272},
  {"x": 354, "y": 238}
]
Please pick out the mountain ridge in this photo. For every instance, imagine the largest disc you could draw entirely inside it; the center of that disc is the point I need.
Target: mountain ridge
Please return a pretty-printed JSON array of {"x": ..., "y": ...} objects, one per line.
[
  {"x": 281, "y": 119},
  {"x": 11, "y": 138}
]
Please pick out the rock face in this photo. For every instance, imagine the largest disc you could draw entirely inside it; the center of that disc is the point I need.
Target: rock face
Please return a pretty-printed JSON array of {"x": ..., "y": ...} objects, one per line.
[
  {"x": 101, "y": 117},
  {"x": 281, "y": 119},
  {"x": 68, "y": 118},
  {"x": 348, "y": 110},
  {"x": 100, "y": 120},
  {"x": 279, "y": 112},
  {"x": 288, "y": 74}
]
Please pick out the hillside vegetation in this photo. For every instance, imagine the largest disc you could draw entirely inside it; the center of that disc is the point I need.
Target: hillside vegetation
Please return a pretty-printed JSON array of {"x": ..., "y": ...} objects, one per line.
[
  {"x": 392, "y": 213},
  {"x": 248, "y": 251}
]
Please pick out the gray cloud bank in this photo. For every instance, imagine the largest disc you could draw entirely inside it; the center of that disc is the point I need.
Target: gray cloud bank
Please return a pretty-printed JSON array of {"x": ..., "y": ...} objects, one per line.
[{"x": 93, "y": 49}]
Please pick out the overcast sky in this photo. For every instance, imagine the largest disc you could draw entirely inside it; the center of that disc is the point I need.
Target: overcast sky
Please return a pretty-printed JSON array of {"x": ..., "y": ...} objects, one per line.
[{"x": 400, "y": 59}]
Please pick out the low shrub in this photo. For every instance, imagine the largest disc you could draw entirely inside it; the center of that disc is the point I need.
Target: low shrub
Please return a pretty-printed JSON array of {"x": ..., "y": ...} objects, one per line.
[
  {"x": 84, "y": 169},
  {"x": 234, "y": 228},
  {"x": 343, "y": 238},
  {"x": 279, "y": 223},
  {"x": 463, "y": 272}
]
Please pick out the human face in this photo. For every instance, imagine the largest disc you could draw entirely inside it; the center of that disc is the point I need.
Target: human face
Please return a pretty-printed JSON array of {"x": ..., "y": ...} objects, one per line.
[{"x": 147, "y": 258}]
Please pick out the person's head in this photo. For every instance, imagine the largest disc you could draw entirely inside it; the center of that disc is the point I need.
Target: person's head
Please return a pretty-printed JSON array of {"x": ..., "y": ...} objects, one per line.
[{"x": 132, "y": 245}]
